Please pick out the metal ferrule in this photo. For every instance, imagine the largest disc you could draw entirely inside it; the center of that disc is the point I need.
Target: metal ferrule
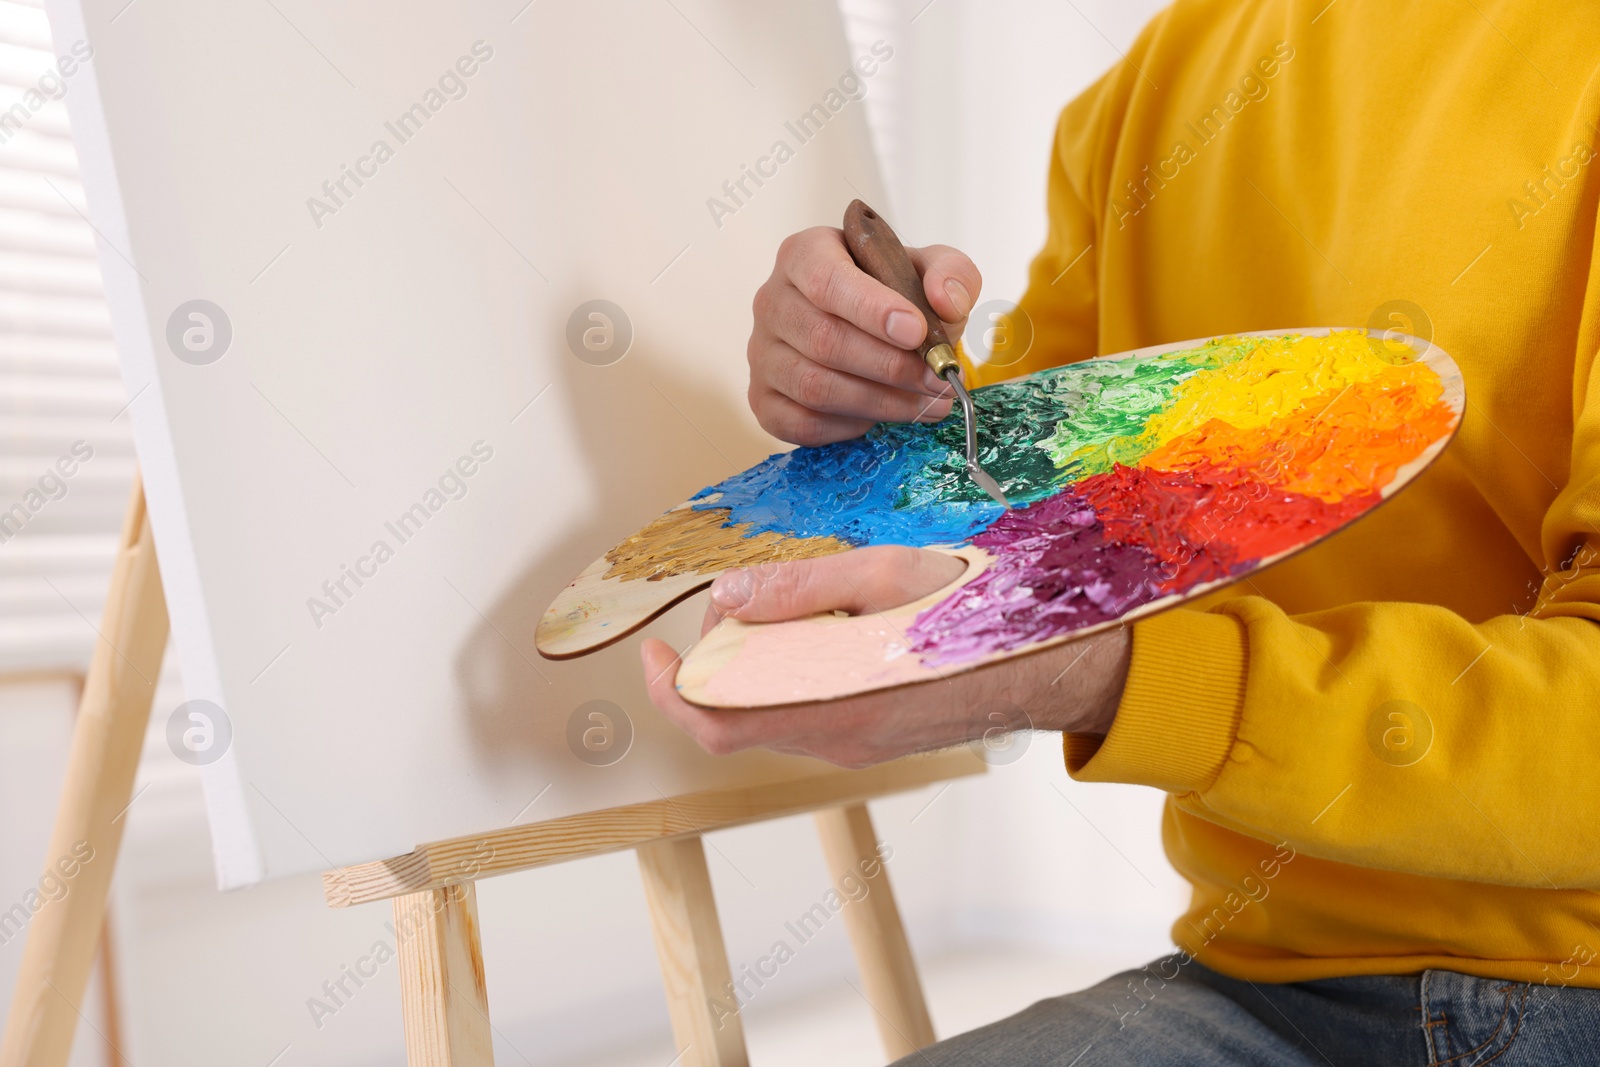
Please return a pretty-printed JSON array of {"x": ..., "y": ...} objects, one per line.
[{"x": 941, "y": 359}]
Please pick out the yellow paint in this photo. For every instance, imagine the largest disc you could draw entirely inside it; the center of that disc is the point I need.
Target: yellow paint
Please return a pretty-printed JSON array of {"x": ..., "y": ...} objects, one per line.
[{"x": 1274, "y": 379}]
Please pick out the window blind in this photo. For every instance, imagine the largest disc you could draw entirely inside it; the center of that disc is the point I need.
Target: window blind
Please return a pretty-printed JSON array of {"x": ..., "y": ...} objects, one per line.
[{"x": 66, "y": 454}]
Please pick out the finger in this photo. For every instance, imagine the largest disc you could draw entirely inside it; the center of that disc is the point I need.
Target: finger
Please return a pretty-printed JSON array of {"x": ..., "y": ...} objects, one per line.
[
  {"x": 789, "y": 421},
  {"x": 817, "y": 263},
  {"x": 712, "y": 617},
  {"x": 840, "y": 344},
  {"x": 831, "y": 392},
  {"x": 823, "y": 731},
  {"x": 718, "y": 732},
  {"x": 950, "y": 279},
  {"x": 863, "y": 580}
]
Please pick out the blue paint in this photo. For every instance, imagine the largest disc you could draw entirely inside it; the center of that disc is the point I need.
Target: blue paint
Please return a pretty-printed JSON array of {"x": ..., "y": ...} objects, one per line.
[{"x": 852, "y": 490}]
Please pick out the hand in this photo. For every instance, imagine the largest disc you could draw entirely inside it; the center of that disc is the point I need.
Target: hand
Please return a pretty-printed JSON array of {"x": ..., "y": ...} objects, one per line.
[
  {"x": 1074, "y": 687},
  {"x": 829, "y": 350}
]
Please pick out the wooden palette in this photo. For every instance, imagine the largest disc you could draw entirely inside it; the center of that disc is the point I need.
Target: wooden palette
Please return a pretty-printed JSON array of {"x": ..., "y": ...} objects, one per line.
[{"x": 1344, "y": 420}]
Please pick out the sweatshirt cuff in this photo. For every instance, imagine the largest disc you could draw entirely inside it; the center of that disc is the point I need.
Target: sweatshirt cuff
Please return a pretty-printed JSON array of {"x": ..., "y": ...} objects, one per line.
[{"x": 1180, "y": 708}]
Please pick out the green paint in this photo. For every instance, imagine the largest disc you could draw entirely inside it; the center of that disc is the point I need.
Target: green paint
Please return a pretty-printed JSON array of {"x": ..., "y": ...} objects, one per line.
[
  {"x": 1056, "y": 426},
  {"x": 1013, "y": 418},
  {"x": 1106, "y": 420}
]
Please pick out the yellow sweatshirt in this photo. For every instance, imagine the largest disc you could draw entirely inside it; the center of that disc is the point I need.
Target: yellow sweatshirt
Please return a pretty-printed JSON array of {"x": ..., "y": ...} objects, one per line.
[{"x": 1383, "y": 754}]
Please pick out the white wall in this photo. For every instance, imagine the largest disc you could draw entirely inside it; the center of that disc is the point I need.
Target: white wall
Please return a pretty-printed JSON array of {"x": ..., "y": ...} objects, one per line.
[
  {"x": 36, "y": 715},
  {"x": 1023, "y": 857}
]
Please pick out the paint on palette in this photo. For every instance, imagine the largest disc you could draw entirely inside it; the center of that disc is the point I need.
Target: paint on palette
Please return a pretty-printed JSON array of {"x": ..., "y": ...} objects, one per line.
[
  {"x": 1111, "y": 542},
  {"x": 687, "y": 541},
  {"x": 1208, "y": 522},
  {"x": 1102, "y": 421},
  {"x": 1136, "y": 478},
  {"x": 848, "y": 491},
  {"x": 907, "y": 483},
  {"x": 1055, "y": 571},
  {"x": 1334, "y": 446}
]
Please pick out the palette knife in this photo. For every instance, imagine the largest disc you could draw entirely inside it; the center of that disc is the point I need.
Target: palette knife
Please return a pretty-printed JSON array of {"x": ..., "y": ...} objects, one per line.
[{"x": 878, "y": 252}]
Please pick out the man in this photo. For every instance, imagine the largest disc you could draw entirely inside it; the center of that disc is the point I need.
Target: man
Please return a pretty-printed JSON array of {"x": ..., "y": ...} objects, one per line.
[{"x": 1259, "y": 164}]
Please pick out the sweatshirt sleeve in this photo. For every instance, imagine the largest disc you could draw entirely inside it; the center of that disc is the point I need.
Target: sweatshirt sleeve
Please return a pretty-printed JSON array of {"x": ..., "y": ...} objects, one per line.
[{"x": 1399, "y": 736}]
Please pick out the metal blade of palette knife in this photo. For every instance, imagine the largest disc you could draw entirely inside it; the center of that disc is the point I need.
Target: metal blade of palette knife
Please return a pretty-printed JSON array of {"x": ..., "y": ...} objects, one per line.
[{"x": 969, "y": 416}]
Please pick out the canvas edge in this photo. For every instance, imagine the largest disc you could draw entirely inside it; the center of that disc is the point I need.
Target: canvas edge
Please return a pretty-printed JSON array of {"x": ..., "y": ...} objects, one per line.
[{"x": 236, "y": 852}]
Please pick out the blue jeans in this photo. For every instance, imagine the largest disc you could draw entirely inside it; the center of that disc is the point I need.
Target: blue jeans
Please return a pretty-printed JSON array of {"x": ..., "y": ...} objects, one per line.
[{"x": 1176, "y": 1013}]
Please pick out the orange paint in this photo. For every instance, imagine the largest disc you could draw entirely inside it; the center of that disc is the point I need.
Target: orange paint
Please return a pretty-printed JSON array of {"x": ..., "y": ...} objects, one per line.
[{"x": 1333, "y": 446}]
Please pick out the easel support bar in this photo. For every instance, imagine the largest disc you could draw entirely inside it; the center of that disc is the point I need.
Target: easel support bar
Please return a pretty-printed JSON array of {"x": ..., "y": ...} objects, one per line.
[
  {"x": 889, "y": 978},
  {"x": 518, "y": 848},
  {"x": 694, "y": 960},
  {"x": 106, "y": 741},
  {"x": 444, "y": 997}
]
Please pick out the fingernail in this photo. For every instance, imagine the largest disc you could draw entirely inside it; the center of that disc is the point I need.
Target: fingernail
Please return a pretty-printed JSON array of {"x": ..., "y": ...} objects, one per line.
[
  {"x": 932, "y": 384},
  {"x": 904, "y": 329},
  {"x": 958, "y": 296},
  {"x": 732, "y": 591}
]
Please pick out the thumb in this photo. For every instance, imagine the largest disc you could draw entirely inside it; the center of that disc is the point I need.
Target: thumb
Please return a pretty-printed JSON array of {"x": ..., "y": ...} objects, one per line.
[
  {"x": 859, "y": 581},
  {"x": 951, "y": 281}
]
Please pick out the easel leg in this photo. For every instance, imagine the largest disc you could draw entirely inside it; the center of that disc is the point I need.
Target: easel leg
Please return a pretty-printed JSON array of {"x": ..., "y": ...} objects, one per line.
[
  {"x": 64, "y": 935},
  {"x": 888, "y": 972},
  {"x": 444, "y": 997},
  {"x": 694, "y": 961}
]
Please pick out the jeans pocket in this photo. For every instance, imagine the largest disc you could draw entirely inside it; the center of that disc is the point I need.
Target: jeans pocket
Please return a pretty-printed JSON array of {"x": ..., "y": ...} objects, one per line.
[{"x": 1471, "y": 1021}]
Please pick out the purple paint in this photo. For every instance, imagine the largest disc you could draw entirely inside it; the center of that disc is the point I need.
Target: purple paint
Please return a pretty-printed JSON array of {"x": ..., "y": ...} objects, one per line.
[{"x": 1054, "y": 573}]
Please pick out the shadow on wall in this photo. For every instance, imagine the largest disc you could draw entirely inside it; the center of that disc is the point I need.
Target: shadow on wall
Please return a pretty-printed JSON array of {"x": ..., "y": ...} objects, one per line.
[{"x": 650, "y": 438}]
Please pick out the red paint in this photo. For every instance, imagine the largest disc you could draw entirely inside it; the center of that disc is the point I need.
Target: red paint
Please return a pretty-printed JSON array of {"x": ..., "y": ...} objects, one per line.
[{"x": 1204, "y": 522}]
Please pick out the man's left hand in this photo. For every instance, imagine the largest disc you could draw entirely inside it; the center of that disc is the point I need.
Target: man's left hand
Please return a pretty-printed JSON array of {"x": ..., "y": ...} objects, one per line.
[{"x": 1072, "y": 687}]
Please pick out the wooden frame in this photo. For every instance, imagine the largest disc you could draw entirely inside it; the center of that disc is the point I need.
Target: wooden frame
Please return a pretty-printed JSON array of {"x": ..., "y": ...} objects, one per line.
[
  {"x": 446, "y": 1009},
  {"x": 444, "y": 991}
]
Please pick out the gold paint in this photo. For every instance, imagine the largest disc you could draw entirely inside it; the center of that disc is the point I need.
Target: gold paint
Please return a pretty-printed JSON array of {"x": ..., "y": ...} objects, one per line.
[{"x": 687, "y": 541}]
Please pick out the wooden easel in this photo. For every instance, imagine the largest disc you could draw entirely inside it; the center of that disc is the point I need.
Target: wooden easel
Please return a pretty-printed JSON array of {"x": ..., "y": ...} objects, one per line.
[{"x": 444, "y": 993}]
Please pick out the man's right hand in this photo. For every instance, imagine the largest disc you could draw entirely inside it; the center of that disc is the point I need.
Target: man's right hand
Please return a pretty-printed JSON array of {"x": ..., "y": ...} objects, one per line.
[{"x": 833, "y": 349}]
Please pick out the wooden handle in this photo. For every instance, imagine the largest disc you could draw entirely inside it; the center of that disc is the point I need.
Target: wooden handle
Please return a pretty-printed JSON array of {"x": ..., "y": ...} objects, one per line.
[{"x": 878, "y": 252}]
